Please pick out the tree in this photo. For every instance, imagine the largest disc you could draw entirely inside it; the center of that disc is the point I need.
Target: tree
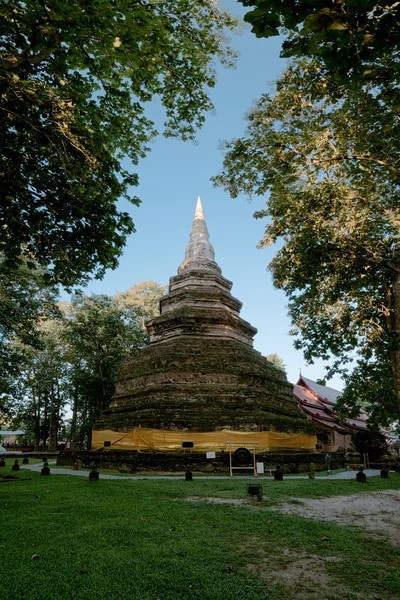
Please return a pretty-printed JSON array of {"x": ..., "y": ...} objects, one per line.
[
  {"x": 26, "y": 300},
  {"x": 351, "y": 40},
  {"x": 75, "y": 79},
  {"x": 330, "y": 166},
  {"x": 370, "y": 387},
  {"x": 43, "y": 390},
  {"x": 74, "y": 361},
  {"x": 145, "y": 297},
  {"x": 277, "y": 362},
  {"x": 101, "y": 334}
]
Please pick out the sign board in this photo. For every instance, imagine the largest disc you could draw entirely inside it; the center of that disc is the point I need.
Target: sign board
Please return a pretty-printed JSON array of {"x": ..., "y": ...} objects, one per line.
[
  {"x": 260, "y": 468},
  {"x": 210, "y": 454}
]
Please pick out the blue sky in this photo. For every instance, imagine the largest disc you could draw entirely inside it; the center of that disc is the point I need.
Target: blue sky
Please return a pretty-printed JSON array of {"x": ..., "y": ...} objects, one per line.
[{"x": 175, "y": 173}]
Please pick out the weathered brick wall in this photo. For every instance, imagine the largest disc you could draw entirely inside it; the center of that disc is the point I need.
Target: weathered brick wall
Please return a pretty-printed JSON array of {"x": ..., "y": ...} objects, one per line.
[
  {"x": 134, "y": 462},
  {"x": 203, "y": 384}
]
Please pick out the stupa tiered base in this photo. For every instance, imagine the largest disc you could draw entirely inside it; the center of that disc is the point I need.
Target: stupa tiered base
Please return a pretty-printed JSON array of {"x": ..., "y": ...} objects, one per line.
[{"x": 200, "y": 373}]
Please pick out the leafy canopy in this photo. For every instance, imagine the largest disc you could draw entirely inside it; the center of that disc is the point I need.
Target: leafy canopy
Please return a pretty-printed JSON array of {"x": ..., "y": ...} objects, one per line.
[
  {"x": 145, "y": 297},
  {"x": 350, "y": 39},
  {"x": 75, "y": 364},
  {"x": 26, "y": 300},
  {"x": 100, "y": 333},
  {"x": 277, "y": 362},
  {"x": 41, "y": 386},
  {"x": 75, "y": 79},
  {"x": 331, "y": 169}
]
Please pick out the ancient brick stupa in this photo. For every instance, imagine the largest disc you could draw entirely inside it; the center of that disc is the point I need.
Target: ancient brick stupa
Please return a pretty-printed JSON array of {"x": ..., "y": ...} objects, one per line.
[{"x": 200, "y": 378}]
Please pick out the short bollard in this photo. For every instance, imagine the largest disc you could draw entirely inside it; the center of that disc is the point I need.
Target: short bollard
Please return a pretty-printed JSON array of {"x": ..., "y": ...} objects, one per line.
[
  {"x": 254, "y": 490},
  {"x": 93, "y": 475},
  {"x": 15, "y": 466},
  {"x": 361, "y": 477},
  {"x": 188, "y": 474},
  {"x": 75, "y": 466},
  {"x": 45, "y": 470},
  {"x": 278, "y": 475},
  {"x": 2, "y": 462},
  {"x": 25, "y": 461}
]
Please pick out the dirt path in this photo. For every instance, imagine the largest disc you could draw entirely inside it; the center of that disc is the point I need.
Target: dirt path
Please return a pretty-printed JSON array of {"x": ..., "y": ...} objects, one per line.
[{"x": 375, "y": 512}]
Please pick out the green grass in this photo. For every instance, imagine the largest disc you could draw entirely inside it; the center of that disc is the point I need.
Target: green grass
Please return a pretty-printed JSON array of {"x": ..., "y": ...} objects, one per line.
[
  {"x": 10, "y": 461},
  {"x": 140, "y": 540}
]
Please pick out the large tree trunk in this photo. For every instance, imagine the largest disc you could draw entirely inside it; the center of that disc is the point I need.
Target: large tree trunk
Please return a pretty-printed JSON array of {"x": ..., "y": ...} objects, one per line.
[
  {"x": 103, "y": 389},
  {"x": 45, "y": 420},
  {"x": 53, "y": 421},
  {"x": 37, "y": 423},
  {"x": 395, "y": 341},
  {"x": 74, "y": 419}
]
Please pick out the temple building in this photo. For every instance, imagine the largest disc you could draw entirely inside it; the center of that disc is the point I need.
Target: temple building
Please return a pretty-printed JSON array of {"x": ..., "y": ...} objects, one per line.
[
  {"x": 318, "y": 402},
  {"x": 333, "y": 432},
  {"x": 200, "y": 381}
]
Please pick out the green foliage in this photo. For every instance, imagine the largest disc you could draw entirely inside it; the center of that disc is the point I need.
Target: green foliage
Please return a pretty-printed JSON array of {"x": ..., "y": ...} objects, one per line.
[
  {"x": 370, "y": 386},
  {"x": 145, "y": 297},
  {"x": 323, "y": 435},
  {"x": 75, "y": 80},
  {"x": 42, "y": 380},
  {"x": 351, "y": 40},
  {"x": 100, "y": 333},
  {"x": 277, "y": 362},
  {"x": 26, "y": 299},
  {"x": 70, "y": 361},
  {"x": 330, "y": 166},
  {"x": 386, "y": 459},
  {"x": 370, "y": 442}
]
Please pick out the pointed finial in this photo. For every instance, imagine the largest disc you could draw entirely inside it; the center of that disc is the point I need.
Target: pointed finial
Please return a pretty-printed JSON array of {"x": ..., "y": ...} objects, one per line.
[
  {"x": 199, "y": 247},
  {"x": 199, "y": 209}
]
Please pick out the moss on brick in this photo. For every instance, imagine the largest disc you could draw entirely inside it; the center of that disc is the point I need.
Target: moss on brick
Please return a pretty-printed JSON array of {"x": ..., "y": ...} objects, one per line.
[
  {"x": 134, "y": 462},
  {"x": 255, "y": 397}
]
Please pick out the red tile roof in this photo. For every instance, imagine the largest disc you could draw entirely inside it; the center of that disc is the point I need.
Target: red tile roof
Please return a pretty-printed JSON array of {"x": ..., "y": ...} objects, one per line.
[{"x": 319, "y": 401}]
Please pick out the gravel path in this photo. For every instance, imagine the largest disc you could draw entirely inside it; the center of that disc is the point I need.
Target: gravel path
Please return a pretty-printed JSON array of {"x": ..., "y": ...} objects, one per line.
[{"x": 377, "y": 513}]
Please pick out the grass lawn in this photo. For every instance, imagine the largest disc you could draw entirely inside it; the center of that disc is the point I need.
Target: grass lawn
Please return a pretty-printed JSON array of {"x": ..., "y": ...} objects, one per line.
[
  {"x": 140, "y": 540},
  {"x": 10, "y": 461}
]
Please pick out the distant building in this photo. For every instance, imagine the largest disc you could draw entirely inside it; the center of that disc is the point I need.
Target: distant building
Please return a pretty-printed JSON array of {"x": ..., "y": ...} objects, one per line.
[
  {"x": 318, "y": 402},
  {"x": 9, "y": 438}
]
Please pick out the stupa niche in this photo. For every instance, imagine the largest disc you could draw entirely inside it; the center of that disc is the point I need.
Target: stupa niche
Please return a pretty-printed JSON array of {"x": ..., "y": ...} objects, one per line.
[{"x": 200, "y": 372}]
